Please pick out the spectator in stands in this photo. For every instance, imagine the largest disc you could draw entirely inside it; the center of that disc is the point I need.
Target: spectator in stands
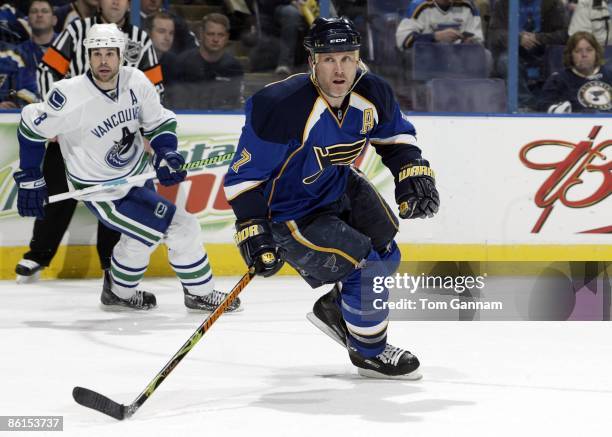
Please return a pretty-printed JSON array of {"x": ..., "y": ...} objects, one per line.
[
  {"x": 584, "y": 85},
  {"x": 160, "y": 27},
  {"x": 17, "y": 84},
  {"x": 209, "y": 76},
  {"x": 14, "y": 27},
  {"x": 593, "y": 16},
  {"x": 184, "y": 39},
  {"x": 78, "y": 9},
  {"x": 541, "y": 23},
  {"x": 283, "y": 17},
  {"x": 444, "y": 21},
  {"x": 42, "y": 20}
]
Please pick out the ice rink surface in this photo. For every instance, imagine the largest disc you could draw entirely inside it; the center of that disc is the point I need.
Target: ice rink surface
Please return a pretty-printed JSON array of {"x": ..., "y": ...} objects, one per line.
[{"x": 268, "y": 371}]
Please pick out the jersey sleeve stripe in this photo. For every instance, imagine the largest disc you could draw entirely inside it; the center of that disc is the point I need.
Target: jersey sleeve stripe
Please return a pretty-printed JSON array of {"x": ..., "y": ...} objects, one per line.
[
  {"x": 56, "y": 60},
  {"x": 397, "y": 139},
  {"x": 233, "y": 191},
  {"x": 29, "y": 133},
  {"x": 154, "y": 74},
  {"x": 167, "y": 126}
]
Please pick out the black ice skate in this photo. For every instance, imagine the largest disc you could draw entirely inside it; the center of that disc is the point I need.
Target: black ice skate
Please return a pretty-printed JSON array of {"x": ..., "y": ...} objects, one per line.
[
  {"x": 140, "y": 300},
  {"x": 392, "y": 363},
  {"x": 210, "y": 302},
  {"x": 28, "y": 271},
  {"x": 326, "y": 316}
]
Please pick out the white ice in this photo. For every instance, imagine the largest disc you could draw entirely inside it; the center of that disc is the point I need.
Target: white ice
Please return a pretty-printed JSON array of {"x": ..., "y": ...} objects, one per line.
[{"x": 268, "y": 371}]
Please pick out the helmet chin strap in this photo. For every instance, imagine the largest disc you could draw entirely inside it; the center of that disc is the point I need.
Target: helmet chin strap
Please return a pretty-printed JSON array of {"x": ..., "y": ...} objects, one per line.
[{"x": 313, "y": 77}]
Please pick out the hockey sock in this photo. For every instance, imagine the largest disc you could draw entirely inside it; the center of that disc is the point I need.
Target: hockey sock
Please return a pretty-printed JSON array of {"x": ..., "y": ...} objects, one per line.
[
  {"x": 187, "y": 255},
  {"x": 129, "y": 262},
  {"x": 362, "y": 310},
  {"x": 391, "y": 256}
]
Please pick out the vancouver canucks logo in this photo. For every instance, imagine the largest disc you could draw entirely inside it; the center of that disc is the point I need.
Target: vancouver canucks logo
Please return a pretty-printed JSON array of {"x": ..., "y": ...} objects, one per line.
[
  {"x": 338, "y": 154},
  {"x": 596, "y": 94},
  {"x": 122, "y": 152}
]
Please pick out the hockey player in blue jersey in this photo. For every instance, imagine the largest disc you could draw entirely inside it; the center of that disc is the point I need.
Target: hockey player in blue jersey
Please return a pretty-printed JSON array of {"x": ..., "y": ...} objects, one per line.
[{"x": 297, "y": 198}]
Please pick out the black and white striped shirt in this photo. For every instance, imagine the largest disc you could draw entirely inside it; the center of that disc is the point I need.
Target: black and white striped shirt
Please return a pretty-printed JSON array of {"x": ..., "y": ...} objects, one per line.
[{"x": 67, "y": 56}]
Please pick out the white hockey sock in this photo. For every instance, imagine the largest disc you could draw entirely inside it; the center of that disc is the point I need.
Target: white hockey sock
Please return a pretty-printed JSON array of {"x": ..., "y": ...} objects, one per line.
[
  {"x": 187, "y": 255},
  {"x": 128, "y": 265}
]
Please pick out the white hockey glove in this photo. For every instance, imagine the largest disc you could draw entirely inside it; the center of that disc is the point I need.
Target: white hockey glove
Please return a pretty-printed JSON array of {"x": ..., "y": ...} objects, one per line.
[{"x": 560, "y": 108}]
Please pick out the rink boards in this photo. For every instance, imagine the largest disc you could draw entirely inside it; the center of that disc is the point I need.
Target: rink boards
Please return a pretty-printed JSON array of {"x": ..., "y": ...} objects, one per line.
[{"x": 512, "y": 188}]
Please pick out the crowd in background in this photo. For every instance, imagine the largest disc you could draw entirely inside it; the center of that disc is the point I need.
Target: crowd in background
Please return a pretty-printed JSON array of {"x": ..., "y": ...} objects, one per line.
[{"x": 440, "y": 55}]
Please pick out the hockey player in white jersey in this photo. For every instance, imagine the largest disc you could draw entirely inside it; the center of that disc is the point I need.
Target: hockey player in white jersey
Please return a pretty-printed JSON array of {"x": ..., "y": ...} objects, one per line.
[{"x": 97, "y": 118}]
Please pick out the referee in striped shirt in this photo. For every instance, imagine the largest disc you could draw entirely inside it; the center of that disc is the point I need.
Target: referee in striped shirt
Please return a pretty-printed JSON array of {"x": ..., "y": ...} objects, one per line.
[{"x": 67, "y": 58}]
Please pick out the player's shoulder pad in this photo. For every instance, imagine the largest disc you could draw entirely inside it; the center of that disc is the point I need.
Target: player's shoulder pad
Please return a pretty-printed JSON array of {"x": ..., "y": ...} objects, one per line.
[
  {"x": 67, "y": 94},
  {"x": 278, "y": 112},
  {"x": 131, "y": 74},
  {"x": 378, "y": 91},
  {"x": 134, "y": 78},
  {"x": 416, "y": 7}
]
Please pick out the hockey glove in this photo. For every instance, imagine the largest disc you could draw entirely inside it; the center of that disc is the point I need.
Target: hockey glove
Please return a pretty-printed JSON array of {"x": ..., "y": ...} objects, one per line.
[
  {"x": 257, "y": 246},
  {"x": 32, "y": 194},
  {"x": 560, "y": 108},
  {"x": 172, "y": 173},
  {"x": 415, "y": 190}
]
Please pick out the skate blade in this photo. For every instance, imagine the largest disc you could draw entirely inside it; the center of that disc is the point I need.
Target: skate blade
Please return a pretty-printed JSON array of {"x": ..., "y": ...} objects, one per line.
[
  {"x": 324, "y": 328},
  {"x": 21, "y": 279},
  {"x": 415, "y": 375},
  {"x": 122, "y": 308}
]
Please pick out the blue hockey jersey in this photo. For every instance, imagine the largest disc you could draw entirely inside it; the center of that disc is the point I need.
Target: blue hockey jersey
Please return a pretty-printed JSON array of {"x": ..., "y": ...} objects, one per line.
[{"x": 295, "y": 150}]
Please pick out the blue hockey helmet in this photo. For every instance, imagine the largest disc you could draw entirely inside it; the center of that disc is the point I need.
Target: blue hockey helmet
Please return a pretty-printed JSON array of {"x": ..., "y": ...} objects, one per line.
[{"x": 327, "y": 35}]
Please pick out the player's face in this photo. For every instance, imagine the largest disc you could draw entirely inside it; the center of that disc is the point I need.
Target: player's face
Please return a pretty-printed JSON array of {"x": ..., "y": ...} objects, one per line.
[
  {"x": 583, "y": 57},
  {"x": 336, "y": 72},
  {"x": 162, "y": 34},
  {"x": 113, "y": 11},
  {"x": 104, "y": 63},
  {"x": 214, "y": 37},
  {"x": 40, "y": 16}
]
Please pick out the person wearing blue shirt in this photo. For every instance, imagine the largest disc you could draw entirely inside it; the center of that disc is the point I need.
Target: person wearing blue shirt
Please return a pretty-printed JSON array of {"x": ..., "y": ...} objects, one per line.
[{"x": 42, "y": 21}]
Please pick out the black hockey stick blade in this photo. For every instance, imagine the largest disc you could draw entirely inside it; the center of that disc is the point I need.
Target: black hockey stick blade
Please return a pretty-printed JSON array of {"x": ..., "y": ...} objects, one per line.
[{"x": 91, "y": 399}]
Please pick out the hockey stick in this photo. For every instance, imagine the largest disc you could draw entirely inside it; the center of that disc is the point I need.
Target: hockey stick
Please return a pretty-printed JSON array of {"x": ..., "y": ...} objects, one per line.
[
  {"x": 91, "y": 399},
  {"x": 137, "y": 178}
]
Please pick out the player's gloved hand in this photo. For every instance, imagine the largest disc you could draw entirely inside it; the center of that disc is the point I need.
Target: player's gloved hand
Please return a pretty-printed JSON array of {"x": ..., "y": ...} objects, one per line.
[
  {"x": 32, "y": 194},
  {"x": 170, "y": 174},
  {"x": 257, "y": 246},
  {"x": 560, "y": 108},
  {"x": 415, "y": 190}
]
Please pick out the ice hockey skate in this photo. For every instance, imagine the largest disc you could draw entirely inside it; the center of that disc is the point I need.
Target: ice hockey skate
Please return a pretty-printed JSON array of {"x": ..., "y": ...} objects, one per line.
[
  {"x": 140, "y": 300},
  {"x": 28, "y": 271},
  {"x": 327, "y": 317},
  {"x": 210, "y": 302},
  {"x": 391, "y": 363}
]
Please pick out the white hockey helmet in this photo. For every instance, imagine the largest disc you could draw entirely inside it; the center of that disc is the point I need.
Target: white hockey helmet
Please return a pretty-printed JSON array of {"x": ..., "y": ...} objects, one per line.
[{"x": 105, "y": 35}]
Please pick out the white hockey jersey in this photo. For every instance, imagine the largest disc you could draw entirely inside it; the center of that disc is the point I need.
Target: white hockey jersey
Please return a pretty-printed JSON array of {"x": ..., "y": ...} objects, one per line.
[{"x": 99, "y": 135}]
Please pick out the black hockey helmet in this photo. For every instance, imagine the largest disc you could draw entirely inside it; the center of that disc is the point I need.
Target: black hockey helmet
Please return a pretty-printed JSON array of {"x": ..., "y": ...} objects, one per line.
[{"x": 327, "y": 35}]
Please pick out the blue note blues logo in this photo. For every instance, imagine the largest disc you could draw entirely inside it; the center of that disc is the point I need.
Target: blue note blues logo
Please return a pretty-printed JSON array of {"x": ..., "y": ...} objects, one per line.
[
  {"x": 123, "y": 151},
  {"x": 336, "y": 154}
]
